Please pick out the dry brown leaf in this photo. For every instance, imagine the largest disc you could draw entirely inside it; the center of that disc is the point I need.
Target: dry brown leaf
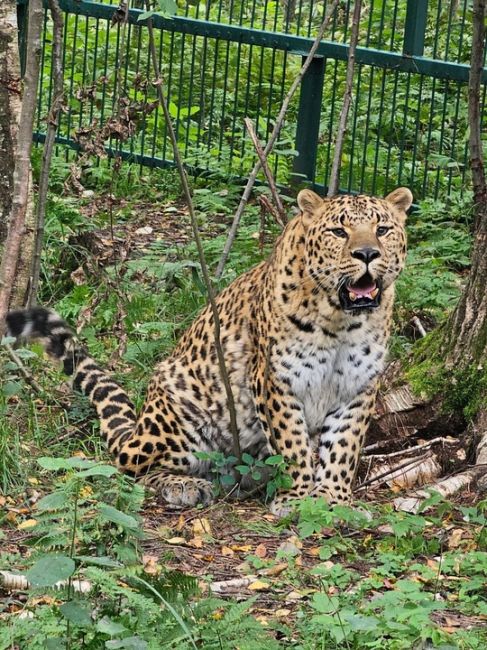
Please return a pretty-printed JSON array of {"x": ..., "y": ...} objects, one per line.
[
  {"x": 227, "y": 551},
  {"x": 314, "y": 551},
  {"x": 196, "y": 542},
  {"x": 176, "y": 540},
  {"x": 201, "y": 526},
  {"x": 150, "y": 565},
  {"x": 275, "y": 570},
  {"x": 28, "y": 523},
  {"x": 258, "y": 585},
  {"x": 244, "y": 548},
  {"x": 260, "y": 551},
  {"x": 282, "y": 613},
  {"x": 181, "y": 523},
  {"x": 455, "y": 538}
]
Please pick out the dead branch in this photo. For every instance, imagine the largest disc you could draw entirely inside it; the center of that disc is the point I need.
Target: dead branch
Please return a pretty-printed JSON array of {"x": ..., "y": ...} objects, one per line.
[
  {"x": 18, "y": 582},
  {"x": 199, "y": 246},
  {"x": 21, "y": 179},
  {"x": 381, "y": 478},
  {"x": 420, "y": 471},
  {"x": 274, "y": 135},
  {"x": 52, "y": 125},
  {"x": 281, "y": 214},
  {"x": 223, "y": 587},
  {"x": 408, "y": 450},
  {"x": 334, "y": 183}
]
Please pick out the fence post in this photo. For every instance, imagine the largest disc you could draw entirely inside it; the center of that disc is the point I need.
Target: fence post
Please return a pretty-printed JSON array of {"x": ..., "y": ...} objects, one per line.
[
  {"x": 22, "y": 14},
  {"x": 415, "y": 27},
  {"x": 308, "y": 125}
]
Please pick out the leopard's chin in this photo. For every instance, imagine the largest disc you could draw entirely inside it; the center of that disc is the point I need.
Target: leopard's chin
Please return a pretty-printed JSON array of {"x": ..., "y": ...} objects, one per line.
[{"x": 365, "y": 293}]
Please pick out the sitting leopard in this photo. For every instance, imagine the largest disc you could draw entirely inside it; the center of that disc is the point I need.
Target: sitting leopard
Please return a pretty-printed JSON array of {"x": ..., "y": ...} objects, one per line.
[{"x": 304, "y": 335}]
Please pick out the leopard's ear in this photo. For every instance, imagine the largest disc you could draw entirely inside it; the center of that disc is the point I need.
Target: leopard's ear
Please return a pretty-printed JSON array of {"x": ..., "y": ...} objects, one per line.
[
  {"x": 401, "y": 199},
  {"x": 309, "y": 201}
]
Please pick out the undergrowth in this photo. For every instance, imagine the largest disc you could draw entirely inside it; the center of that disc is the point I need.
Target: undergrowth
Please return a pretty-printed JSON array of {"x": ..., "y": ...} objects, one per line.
[{"x": 388, "y": 580}]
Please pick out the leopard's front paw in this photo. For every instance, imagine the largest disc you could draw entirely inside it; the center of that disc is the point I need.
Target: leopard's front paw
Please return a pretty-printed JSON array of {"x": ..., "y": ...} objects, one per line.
[
  {"x": 324, "y": 492},
  {"x": 184, "y": 491},
  {"x": 284, "y": 504}
]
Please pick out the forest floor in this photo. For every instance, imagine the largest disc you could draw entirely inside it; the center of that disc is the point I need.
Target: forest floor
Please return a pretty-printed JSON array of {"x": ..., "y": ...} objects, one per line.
[{"x": 124, "y": 271}]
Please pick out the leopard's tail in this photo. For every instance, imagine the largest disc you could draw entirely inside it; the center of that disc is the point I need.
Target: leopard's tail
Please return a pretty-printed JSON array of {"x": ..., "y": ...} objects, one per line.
[{"x": 113, "y": 406}]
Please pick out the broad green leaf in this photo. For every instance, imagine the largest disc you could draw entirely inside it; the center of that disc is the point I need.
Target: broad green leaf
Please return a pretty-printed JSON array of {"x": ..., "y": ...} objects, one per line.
[
  {"x": 57, "y": 464},
  {"x": 117, "y": 517},
  {"x": 53, "y": 501},
  {"x": 99, "y": 470},
  {"x": 107, "y": 626},
  {"x": 50, "y": 569},
  {"x": 76, "y": 613},
  {"x": 274, "y": 460}
]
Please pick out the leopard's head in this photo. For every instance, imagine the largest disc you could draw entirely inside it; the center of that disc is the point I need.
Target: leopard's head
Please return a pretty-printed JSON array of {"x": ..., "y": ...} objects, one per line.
[{"x": 355, "y": 245}]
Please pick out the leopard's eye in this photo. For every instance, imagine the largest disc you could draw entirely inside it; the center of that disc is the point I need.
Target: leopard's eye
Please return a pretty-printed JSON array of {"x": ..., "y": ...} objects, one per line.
[
  {"x": 382, "y": 230},
  {"x": 338, "y": 232}
]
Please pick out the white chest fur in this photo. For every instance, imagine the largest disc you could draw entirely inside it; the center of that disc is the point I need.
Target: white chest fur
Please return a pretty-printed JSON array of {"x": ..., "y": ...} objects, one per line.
[{"x": 330, "y": 373}]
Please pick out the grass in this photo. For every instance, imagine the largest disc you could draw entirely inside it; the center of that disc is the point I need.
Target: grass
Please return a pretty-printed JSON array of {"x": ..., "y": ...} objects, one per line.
[{"x": 333, "y": 580}]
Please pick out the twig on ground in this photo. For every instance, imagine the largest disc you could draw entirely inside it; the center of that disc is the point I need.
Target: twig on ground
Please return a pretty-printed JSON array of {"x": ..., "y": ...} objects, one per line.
[
  {"x": 21, "y": 179},
  {"x": 410, "y": 464},
  {"x": 334, "y": 182},
  {"x": 281, "y": 213},
  {"x": 52, "y": 125},
  {"x": 274, "y": 135},
  {"x": 419, "y": 326},
  {"x": 18, "y": 582},
  {"x": 204, "y": 267},
  {"x": 408, "y": 450}
]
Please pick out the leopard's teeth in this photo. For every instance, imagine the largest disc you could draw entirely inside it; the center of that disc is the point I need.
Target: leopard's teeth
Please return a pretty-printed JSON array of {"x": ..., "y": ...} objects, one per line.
[
  {"x": 352, "y": 296},
  {"x": 373, "y": 294}
]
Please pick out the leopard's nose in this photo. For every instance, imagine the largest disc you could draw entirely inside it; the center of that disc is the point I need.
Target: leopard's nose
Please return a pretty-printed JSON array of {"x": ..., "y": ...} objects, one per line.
[{"x": 366, "y": 254}]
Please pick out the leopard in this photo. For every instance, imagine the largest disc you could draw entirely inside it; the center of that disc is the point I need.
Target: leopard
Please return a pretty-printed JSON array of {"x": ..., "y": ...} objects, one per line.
[{"x": 304, "y": 336}]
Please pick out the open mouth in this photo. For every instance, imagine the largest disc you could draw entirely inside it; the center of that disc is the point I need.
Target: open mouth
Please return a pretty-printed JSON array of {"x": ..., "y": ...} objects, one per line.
[{"x": 363, "y": 294}]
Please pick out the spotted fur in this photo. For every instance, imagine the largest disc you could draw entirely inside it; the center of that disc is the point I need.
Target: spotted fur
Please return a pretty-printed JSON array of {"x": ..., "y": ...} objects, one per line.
[{"x": 324, "y": 360}]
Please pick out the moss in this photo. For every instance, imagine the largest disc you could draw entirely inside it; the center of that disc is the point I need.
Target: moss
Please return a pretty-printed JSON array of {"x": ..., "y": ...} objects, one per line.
[{"x": 462, "y": 389}]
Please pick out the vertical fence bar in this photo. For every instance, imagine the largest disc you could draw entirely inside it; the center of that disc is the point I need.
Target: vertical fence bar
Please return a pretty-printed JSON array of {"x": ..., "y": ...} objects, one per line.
[
  {"x": 415, "y": 28},
  {"x": 308, "y": 126}
]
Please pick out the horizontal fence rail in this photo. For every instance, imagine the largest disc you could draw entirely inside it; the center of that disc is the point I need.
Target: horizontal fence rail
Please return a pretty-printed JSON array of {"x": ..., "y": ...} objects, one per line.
[{"x": 223, "y": 61}]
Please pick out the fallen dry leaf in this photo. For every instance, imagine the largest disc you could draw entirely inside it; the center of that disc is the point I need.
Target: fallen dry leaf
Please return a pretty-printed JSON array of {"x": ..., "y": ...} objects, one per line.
[
  {"x": 28, "y": 523},
  {"x": 258, "y": 585},
  {"x": 455, "y": 538},
  {"x": 275, "y": 570},
  {"x": 150, "y": 565},
  {"x": 282, "y": 613},
  {"x": 196, "y": 542},
  {"x": 176, "y": 540},
  {"x": 227, "y": 551},
  {"x": 201, "y": 526},
  {"x": 260, "y": 551}
]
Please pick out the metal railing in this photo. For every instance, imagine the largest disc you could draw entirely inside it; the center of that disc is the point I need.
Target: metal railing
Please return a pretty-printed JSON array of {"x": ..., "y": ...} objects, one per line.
[{"x": 225, "y": 60}]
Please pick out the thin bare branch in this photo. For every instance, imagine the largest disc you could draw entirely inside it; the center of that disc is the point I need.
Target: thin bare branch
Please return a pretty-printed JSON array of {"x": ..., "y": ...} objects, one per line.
[
  {"x": 272, "y": 140},
  {"x": 52, "y": 125},
  {"x": 281, "y": 213},
  {"x": 334, "y": 182},
  {"x": 199, "y": 246}
]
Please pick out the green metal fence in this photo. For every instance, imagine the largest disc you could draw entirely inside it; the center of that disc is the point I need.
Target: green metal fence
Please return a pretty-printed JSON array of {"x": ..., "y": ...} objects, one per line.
[{"x": 222, "y": 61}]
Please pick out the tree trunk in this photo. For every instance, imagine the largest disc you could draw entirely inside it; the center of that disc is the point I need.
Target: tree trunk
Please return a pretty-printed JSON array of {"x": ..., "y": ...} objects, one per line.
[
  {"x": 18, "y": 243},
  {"x": 10, "y": 105},
  {"x": 468, "y": 324}
]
